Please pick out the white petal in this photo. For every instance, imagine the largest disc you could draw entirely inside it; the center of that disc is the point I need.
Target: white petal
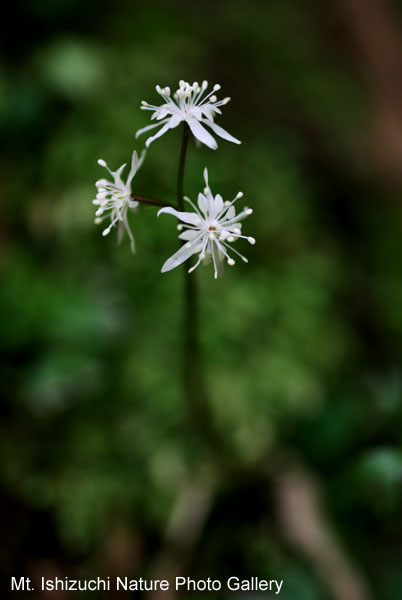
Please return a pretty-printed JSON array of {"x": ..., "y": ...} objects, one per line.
[
  {"x": 218, "y": 261},
  {"x": 202, "y": 203},
  {"x": 211, "y": 203},
  {"x": 206, "y": 176},
  {"x": 196, "y": 112},
  {"x": 218, "y": 203},
  {"x": 208, "y": 111},
  {"x": 180, "y": 256},
  {"x": 185, "y": 217},
  {"x": 202, "y": 134},
  {"x": 175, "y": 120},
  {"x": 188, "y": 235},
  {"x": 230, "y": 213},
  {"x": 141, "y": 159},
  {"x": 117, "y": 176},
  {"x": 135, "y": 165},
  {"x": 162, "y": 113},
  {"x": 120, "y": 231},
  {"x": 130, "y": 235},
  {"x": 161, "y": 131},
  {"x": 221, "y": 132},
  {"x": 148, "y": 127}
]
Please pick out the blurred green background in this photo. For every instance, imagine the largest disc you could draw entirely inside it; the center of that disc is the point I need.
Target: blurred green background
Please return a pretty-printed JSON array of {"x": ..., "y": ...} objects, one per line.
[{"x": 103, "y": 470}]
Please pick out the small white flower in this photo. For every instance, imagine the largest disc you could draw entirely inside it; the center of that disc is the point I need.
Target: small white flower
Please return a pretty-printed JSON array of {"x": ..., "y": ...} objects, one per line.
[
  {"x": 208, "y": 231},
  {"x": 114, "y": 198},
  {"x": 190, "y": 105}
]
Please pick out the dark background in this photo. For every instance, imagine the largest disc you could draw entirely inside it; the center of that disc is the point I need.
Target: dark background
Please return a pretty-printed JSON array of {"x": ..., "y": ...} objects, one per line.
[{"x": 104, "y": 470}]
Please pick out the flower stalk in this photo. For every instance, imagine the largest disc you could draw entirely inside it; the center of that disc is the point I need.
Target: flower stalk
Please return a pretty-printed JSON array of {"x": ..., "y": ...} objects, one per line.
[
  {"x": 150, "y": 201},
  {"x": 194, "y": 385},
  {"x": 208, "y": 229},
  {"x": 182, "y": 162}
]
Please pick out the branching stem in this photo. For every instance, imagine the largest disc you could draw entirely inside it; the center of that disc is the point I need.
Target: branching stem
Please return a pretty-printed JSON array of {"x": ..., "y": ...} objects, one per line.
[{"x": 150, "y": 201}]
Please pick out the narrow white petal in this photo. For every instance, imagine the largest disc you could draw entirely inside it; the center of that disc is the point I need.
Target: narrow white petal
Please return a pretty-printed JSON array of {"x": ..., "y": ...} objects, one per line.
[
  {"x": 134, "y": 160},
  {"x": 120, "y": 231},
  {"x": 221, "y": 132},
  {"x": 148, "y": 127},
  {"x": 211, "y": 203},
  {"x": 218, "y": 203},
  {"x": 130, "y": 235},
  {"x": 188, "y": 235},
  {"x": 135, "y": 165},
  {"x": 230, "y": 213},
  {"x": 162, "y": 113},
  {"x": 141, "y": 159},
  {"x": 162, "y": 130},
  {"x": 202, "y": 203},
  {"x": 206, "y": 176},
  {"x": 221, "y": 266},
  {"x": 202, "y": 134},
  {"x": 208, "y": 111},
  {"x": 185, "y": 217},
  {"x": 180, "y": 256},
  {"x": 218, "y": 262},
  {"x": 117, "y": 176}
]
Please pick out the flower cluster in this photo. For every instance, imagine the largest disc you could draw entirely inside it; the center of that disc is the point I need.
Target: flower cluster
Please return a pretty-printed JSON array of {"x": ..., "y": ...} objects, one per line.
[
  {"x": 189, "y": 104},
  {"x": 208, "y": 231},
  {"x": 114, "y": 198},
  {"x": 212, "y": 226}
]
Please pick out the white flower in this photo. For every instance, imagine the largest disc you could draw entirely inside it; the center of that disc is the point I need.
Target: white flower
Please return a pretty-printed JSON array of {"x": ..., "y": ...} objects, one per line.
[
  {"x": 208, "y": 231},
  {"x": 114, "y": 198},
  {"x": 190, "y": 105}
]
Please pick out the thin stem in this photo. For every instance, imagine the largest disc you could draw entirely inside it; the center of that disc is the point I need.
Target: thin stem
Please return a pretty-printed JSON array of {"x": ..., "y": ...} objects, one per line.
[
  {"x": 193, "y": 369},
  {"x": 180, "y": 174},
  {"x": 150, "y": 201}
]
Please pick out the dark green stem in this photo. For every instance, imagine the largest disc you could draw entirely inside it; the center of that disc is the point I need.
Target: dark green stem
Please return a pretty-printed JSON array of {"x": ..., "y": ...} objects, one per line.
[
  {"x": 193, "y": 368},
  {"x": 182, "y": 162},
  {"x": 149, "y": 201}
]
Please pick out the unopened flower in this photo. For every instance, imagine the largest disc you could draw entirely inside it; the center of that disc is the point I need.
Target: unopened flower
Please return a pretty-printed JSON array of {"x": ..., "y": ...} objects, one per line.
[
  {"x": 114, "y": 199},
  {"x": 209, "y": 231},
  {"x": 188, "y": 104}
]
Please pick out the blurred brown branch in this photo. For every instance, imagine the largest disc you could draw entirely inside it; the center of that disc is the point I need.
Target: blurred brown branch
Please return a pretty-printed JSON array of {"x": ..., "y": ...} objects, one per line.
[
  {"x": 48, "y": 569},
  {"x": 305, "y": 525},
  {"x": 183, "y": 530},
  {"x": 120, "y": 554},
  {"x": 377, "y": 38}
]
